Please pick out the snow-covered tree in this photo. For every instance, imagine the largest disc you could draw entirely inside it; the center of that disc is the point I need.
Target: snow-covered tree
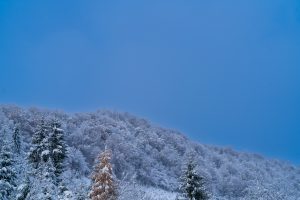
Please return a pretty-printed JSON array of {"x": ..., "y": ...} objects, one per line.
[
  {"x": 39, "y": 150},
  {"x": 7, "y": 173},
  {"x": 43, "y": 183},
  {"x": 76, "y": 162},
  {"x": 144, "y": 154},
  {"x": 48, "y": 144},
  {"x": 23, "y": 190},
  {"x": 20, "y": 164},
  {"x": 43, "y": 155},
  {"x": 17, "y": 140},
  {"x": 103, "y": 186},
  {"x": 57, "y": 147},
  {"x": 192, "y": 184}
]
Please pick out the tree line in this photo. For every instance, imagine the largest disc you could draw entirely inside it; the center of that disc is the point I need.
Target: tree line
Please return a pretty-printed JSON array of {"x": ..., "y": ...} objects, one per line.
[{"x": 45, "y": 158}]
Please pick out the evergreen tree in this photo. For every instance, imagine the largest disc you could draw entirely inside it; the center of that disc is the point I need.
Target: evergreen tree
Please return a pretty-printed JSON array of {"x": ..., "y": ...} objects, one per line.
[
  {"x": 17, "y": 140},
  {"x": 23, "y": 190},
  {"x": 7, "y": 174},
  {"x": 57, "y": 147},
  {"x": 192, "y": 185},
  {"x": 103, "y": 187},
  {"x": 40, "y": 145},
  {"x": 48, "y": 144},
  {"x": 20, "y": 165},
  {"x": 43, "y": 183}
]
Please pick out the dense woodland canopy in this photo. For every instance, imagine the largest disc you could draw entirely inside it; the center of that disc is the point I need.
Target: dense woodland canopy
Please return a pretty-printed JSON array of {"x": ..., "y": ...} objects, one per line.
[{"x": 147, "y": 160}]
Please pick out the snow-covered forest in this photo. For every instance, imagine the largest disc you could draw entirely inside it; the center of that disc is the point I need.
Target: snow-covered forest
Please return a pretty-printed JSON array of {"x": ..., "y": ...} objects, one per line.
[{"x": 147, "y": 160}]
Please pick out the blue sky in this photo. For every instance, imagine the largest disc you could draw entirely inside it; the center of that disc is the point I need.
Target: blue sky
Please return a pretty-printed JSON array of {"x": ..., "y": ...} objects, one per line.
[{"x": 223, "y": 72}]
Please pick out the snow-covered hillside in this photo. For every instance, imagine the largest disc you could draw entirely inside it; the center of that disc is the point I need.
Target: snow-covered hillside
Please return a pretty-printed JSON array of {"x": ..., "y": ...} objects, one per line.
[{"x": 147, "y": 160}]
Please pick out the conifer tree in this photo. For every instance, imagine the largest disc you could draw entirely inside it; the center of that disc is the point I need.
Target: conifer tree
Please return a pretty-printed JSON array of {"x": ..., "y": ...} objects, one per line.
[
  {"x": 20, "y": 165},
  {"x": 48, "y": 143},
  {"x": 40, "y": 145},
  {"x": 103, "y": 187},
  {"x": 7, "y": 173},
  {"x": 57, "y": 147},
  {"x": 43, "y": 185},
  {"x": 17, "y": 140},
  {"x": 23, "y": 190},
  {"x": 192, "y": 185}
]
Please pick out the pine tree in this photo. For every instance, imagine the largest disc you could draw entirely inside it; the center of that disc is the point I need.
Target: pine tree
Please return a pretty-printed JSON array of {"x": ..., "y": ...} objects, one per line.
[
  {"x": 39, "y": 150},
  {"x": 17, "y": 140},
  {"x": 7, "y": 174},
  {"x": 104, "y": 187},
  {"x": 23, "y": 190},
  {"x": 43, "y": 179},
  {"x": 43, "y": 183},
  {"x": 20, "y": 165},
  {"x": 57, "y": 147},
  {"x": 48, "y": 144},
  {"x": 192, "y": 185}
]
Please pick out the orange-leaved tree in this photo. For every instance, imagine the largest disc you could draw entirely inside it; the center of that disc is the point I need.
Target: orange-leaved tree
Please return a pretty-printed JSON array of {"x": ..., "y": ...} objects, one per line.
[{"x": 103, "y": 186}]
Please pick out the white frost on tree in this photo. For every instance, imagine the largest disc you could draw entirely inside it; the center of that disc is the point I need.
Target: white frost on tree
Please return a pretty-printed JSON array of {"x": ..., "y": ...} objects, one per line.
[
  {"x": 103, "y": 183},
  {"x": 7, "y": 173},
  {"x": 42, "y": 181},
  {"x": 192, "y": 184},
  {"x": 145, "y": 155}
]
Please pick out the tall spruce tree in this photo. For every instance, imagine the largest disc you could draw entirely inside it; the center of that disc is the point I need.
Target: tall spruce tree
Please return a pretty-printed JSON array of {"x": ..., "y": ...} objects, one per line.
[
  {"x": 17, "y": 139},
  {"x": 23, "y": 190},
  {"x": 103, "y": 187},
  {"x": 20, "y": 165},
  {"x": 192, "y": 184},
  {"x": 44, "y": 179},
  {"x": 39, "y": 150},
  {"x": 7, "y": 173},
  {"x": 48, "y": 144},
  {"x": 57, "y": 147},
  {"x": 43, "y": 183}
]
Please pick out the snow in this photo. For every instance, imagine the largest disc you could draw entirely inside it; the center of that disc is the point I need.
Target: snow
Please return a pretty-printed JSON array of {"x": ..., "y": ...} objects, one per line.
[
  {"x": 57, "y": 151},
  {"x": 45, "y": 152},
  {"x": 105, "y": 169},
  {"x": 59, "y": 129},
  {"x": 22, "y": 186},
  {"x": 3, "y": 169},
  {"x": 137, "y": 192},
  {"x": 147, "y": 160}
]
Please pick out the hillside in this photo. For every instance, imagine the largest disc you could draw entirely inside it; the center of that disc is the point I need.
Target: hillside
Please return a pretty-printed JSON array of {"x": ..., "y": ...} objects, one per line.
[{"x": 147, "y": 160}]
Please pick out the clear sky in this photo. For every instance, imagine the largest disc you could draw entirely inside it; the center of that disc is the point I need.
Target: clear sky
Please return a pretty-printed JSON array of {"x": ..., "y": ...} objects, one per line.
[{"x": 223, "y": 72}]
